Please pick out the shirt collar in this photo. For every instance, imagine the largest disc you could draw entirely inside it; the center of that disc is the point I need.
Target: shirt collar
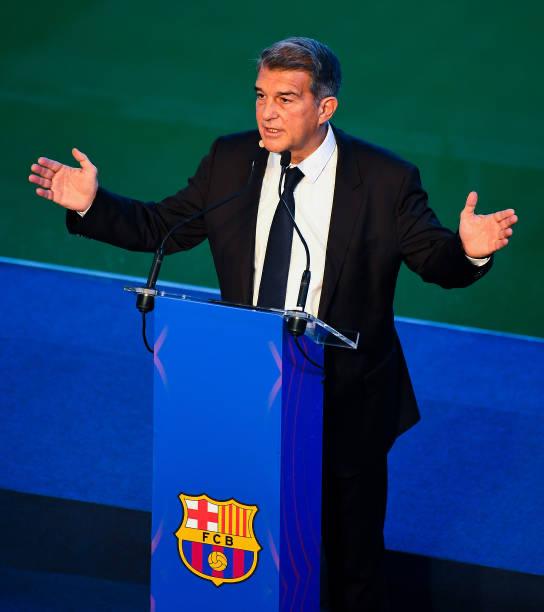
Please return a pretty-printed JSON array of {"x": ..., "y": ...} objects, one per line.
[{"x": 314, "y": 164}]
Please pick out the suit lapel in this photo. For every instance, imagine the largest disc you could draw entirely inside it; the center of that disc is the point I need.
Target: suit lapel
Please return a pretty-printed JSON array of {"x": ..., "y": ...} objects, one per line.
[{"x": 345, "y": 209}]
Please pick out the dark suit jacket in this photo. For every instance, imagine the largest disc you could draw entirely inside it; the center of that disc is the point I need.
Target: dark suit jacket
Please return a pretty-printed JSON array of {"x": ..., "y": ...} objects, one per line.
[{"x": 380, "y": 218}]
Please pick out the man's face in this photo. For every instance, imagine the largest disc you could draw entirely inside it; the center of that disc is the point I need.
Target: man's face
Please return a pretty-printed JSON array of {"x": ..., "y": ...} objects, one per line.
[{"x": 288, "y": 115}]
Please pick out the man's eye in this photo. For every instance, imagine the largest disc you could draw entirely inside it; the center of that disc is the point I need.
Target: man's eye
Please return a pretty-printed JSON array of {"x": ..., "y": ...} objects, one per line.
[
  {"x": 260, "y": 96},
  {"x": 285, "y": 100}
]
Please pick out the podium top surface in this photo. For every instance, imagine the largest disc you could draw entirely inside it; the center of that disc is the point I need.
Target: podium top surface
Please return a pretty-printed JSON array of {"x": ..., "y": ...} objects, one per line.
[{"x": 316, "y": 330}]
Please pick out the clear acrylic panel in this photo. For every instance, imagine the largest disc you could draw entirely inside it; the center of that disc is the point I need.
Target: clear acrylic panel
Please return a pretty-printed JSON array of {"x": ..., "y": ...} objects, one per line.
[{"x": 316, "y": 330}]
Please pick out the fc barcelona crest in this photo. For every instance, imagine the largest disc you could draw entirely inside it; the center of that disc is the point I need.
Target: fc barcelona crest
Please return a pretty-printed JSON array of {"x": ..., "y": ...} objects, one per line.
[{"x": 216, "y": 539}]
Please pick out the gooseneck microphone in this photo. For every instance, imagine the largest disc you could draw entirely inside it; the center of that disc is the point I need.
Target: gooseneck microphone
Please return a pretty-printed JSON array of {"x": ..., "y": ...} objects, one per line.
[
  {"x": 145, "y": 301},
  {"x": 296, "y": 325}
]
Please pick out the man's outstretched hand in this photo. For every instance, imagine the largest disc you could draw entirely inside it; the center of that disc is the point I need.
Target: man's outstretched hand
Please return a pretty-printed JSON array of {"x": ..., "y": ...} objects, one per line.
[
  {"x": 73, "y": 188},
  {"x": 482, "y": 235}
]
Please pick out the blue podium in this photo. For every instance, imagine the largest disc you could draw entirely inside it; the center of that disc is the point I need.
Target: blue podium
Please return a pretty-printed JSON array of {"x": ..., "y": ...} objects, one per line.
[{"x": 236, "y": 516}]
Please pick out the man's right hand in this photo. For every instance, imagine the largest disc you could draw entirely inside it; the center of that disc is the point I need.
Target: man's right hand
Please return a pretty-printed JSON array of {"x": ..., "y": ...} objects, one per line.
[{"x": 73, "y": 188}]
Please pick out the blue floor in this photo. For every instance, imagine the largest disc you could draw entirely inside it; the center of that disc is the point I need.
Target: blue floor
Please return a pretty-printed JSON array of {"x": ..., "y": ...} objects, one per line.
[
  {"x": 466, "y": 483},
  {"x": 76, "y": 392}
]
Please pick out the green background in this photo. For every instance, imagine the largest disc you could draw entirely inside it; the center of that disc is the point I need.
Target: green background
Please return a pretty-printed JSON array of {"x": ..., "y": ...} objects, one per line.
[{"x": 143, "y": 90}]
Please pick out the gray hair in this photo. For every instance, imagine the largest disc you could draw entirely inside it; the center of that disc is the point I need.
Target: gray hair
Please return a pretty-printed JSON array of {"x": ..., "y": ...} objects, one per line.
[{"x": 315, "y": 58}]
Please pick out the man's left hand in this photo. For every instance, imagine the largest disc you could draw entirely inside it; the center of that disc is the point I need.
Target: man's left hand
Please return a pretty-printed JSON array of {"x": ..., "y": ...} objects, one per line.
[{"x": 482, "y": 235}]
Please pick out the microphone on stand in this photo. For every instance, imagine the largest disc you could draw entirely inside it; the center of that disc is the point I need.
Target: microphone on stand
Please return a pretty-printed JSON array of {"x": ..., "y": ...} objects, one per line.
[
  {"x": 296, "y": 325},
  {"x": 145, "y": 301}
]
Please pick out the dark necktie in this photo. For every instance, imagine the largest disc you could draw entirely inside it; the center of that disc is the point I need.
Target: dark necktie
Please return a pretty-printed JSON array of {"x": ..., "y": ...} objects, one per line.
[{"x": 273, "y": 286}]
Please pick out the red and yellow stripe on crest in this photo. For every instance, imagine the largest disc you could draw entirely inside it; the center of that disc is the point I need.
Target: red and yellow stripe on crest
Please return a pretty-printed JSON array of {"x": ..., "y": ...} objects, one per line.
[{"x": 233, "y": 520}]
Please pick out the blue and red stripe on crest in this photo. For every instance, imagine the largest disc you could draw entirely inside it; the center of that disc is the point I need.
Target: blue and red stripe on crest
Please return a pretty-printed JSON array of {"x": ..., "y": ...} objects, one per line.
[{"x": 238, "y": 560}]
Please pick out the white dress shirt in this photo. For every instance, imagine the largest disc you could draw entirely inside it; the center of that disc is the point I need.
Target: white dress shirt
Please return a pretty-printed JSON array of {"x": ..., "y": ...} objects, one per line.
[{"x": 313, "y": 206}]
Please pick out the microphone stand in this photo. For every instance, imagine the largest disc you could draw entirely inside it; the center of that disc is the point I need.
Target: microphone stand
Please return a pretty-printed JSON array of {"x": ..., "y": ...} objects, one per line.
[
  {"x": 296, "y": 325},
  {"x": 145, "y": 301}
]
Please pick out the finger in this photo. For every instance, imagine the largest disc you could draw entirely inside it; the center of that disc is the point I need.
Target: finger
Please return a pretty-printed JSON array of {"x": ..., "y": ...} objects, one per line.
[
  {"x": 50, "y": 163},
  {"x": 42, "y": 171},
  {"x": 500, "y": 244},
  {"x": 83, "y": 160},
  {"x": 503, "y": 214},
  {"x": 45, "y": 193},
  {"x": 509, "y": 221},
  {"x": 38, "y": 180},
  {"x": 471, "y": 202}
]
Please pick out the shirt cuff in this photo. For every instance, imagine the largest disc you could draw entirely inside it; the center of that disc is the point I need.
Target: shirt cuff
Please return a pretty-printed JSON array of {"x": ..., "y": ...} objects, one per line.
[
  {"x": 476, "y": 261},
  {"x": 82, "y": 213}
]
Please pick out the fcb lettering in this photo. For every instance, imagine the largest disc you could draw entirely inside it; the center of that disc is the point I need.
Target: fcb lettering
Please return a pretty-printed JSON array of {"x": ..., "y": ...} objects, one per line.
[{"x": 216, "y": 539}]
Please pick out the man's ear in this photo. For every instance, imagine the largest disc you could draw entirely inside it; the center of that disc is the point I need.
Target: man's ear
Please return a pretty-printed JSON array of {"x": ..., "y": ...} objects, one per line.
[{"x": 327, "y": 108}]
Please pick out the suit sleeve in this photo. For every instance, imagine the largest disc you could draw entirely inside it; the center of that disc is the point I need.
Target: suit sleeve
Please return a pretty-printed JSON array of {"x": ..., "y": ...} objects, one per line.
[
  {"x": 140, "y": 226},
  {"x": 428, "y": 248}
]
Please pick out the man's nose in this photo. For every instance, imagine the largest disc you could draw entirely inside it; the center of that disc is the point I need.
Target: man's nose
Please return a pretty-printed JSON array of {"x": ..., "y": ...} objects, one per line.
[{"x": 270, "y": 109}]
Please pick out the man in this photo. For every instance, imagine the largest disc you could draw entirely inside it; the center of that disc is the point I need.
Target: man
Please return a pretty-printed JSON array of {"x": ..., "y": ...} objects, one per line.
[{"x": 363, "y": 211}]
